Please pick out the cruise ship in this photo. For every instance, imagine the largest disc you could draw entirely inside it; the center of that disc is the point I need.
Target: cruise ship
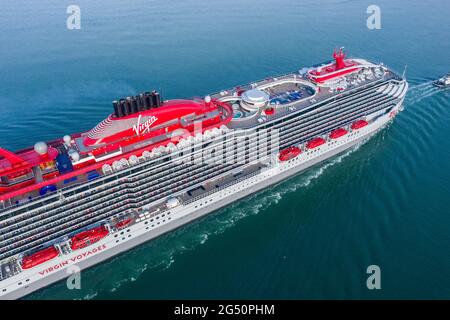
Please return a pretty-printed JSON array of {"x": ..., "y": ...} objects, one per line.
[{"x": 154, "y": 165}]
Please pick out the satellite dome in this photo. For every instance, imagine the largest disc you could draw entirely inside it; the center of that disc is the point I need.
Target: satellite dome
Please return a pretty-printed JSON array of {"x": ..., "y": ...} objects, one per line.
[
  {"x": 254, "y": 99},
  {"x": 41, "y": 147},
  {"x": 207, "y": 99},
  {"x": 67, "y": 139}
]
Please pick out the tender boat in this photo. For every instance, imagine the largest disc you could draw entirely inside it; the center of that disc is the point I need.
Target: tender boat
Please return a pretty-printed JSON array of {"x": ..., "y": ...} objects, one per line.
[
  {"x": 314, "y": 143},
  {"x": 443, "y": 82},
  {"x": 39, "y": 257},
  {"x": 88, "y": 237},
  {"x": 359, "y": 124},
  {"x": 289, "y": 153},
  {"x": 339, "y": 132},
  {"x": 124, "y": 223}
]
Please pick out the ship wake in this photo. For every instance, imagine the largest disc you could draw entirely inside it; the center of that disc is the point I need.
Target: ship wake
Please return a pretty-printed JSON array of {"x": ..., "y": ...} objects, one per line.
[
  {"x": 417, "y": 93},
  {"x": 161, "y": 253}
]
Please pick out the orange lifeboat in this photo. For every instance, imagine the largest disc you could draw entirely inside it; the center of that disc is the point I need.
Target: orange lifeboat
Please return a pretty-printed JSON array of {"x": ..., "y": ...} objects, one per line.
[
  {"x": 314, "y": 143},
  {"x": 359, "y": 124},
  {"x": 39, "y": 257},
  {"x": 339, "y": 132},
  {"x": 289, "y": 153},
  {"x": 88, "y": 237},
  {"x": 124, "y": 223}
]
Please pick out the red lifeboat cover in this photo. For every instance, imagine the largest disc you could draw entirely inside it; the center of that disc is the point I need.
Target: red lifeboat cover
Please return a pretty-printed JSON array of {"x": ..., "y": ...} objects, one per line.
[
  {"x": 85, "y": 238},
  {"x": 339, "y": 132},
  {"x": 269, "y": 111},
  {"x": 359, "y": 124},
  {"x": 314, "y": 143},
  {"x": 123, "y": 223},
  {"x": 39, "y": 257},
  {"x": 289, "y": 153}
]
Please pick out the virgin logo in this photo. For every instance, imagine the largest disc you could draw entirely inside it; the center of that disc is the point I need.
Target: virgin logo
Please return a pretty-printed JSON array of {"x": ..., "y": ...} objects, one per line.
[{"x": 141, "y": 128}]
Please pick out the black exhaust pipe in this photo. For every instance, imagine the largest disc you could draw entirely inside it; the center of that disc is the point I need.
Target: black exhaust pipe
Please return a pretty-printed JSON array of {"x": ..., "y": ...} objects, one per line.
[
  {"x": 134, "y": 106},
  {"x": 157, "y": 99},
  {"x": 117, "y": 111},
  {"x": 127, "y": 108},
  {"x": 154, "y": 101},
  {"x": 141, "y": 102},
  {"x": 148, "y": 101},
  {"x": 122, "y": 107}
]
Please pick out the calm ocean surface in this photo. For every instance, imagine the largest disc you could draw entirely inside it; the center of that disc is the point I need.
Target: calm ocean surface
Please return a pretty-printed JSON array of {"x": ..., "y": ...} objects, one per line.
[{"x": 313, "y": 236}]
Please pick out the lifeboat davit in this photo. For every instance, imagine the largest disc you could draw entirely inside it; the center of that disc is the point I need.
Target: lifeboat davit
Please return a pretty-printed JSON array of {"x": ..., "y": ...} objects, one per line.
[
  {"x": 39, "y": 257},
  {"x": 289, "y": 153},
  {"x": 88, "y": 237},
  {"x": 123, "y": 223},
  {"x": 359, "y": 124},
  {"x": 339, "y": 132},
  {"x": 314, "y": 143}
]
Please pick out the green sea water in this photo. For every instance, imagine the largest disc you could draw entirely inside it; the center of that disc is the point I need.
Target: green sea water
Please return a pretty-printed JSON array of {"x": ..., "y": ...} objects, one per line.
[{"x": 383, "y": 203}]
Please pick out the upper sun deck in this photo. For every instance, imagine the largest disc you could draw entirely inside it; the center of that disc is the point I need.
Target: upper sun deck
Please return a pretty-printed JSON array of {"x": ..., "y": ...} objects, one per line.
[{"x": 257, "y": 103}]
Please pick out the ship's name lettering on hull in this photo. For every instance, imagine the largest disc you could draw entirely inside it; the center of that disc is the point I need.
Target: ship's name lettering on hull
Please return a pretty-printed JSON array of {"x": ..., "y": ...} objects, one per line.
[{"x": 72, "y": 260}]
